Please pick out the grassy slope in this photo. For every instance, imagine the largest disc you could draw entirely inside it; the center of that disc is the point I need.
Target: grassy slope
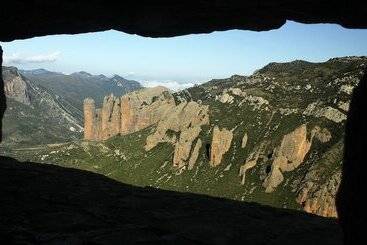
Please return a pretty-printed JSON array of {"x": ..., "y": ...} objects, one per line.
[{"x": 124, "y": 158}]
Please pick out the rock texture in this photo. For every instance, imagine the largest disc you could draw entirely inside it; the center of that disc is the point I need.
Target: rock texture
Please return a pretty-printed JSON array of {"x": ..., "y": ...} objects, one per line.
[
  {"x": 183, "y": 146},
  {"x": 195, "y": 154},
  {"x": 244, "y": 140},
  {"x": 251, "y": 160},
  {"x": 130, "y": 113},
  {"x": 316, "y": 109},
  {"x": 318, "y": 188},
  {"x": 15, "y": 86},
  {"x": 186, "y": 120},
  {"x": 288, "y": 156},
  {"x": 320, "y": 199},
  {"x": 143, "y": 108},
  {"x": 221, "y": 142},
  {"x": 89, "y": 117}
]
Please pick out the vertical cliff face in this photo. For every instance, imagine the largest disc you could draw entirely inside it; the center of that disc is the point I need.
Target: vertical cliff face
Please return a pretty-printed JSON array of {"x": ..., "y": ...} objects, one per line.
[
  {"x": 89, "y": 117},
  {"x": 143, "y": 108},
  {"x": 128, "y": 114},
  {"x": 186, "y": 120},
  {"x": 221, "y": 143},
  {"x": 288, "y": 156},
  {"x": 15, "y": 86},
  {"x": 110, "y": 117}
]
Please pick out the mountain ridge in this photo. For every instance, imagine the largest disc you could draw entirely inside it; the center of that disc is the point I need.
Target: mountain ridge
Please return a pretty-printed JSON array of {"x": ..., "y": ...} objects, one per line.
[
  {"x": 275, "y": 137},
  {"x": 37, "y": 105}
]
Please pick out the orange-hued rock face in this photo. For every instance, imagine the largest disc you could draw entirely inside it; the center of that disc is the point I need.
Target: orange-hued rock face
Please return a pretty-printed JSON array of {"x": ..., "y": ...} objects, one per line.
[
  {"x": 140, "y": 109},
  {"x": 128, "y": 114},
  {"x": 143, "y": 108},
  {"x": 15, "y": 86},
  {"x": 318, "y": 199},
  {"x": 89, "y": 118},
  {"x": 288, "y": 156},
  {"x": 221, "y": 143}
]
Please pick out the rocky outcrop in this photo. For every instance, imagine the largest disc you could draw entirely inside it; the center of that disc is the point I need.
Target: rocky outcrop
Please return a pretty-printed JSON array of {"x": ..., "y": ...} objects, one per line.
[
  {"x": 251, "y": 160},
  {"x": 250, "y": 163},
  {"x": 183, "y": 146},
  {"x": 289, "y": 155},
  {"x": 244, "y": 141},
  {"x": 317, "y": 110},
  {"x": 320, "y": 199},
  {"x": 225, "y": 98},
  {"x": 317, "y": 190},
  {"x": 101, "y": 124},
  {"x": 195, "y": 154},
  {"x": 184, "y": 120},
  {"x": 322, "y": 134},
  {"x": 130, "y": 113},
  {"x": 89, "y": 117},
  {"x": 221, "y": 142},
  {"x": 143, "y": 108},
  {"x": 15, "y": 85}
]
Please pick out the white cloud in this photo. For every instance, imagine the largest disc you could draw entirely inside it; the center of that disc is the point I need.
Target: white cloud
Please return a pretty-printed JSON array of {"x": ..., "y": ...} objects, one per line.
[
  {"x": 18, "y": 59},
  {"x": 173, "y": 85},
  {"x": 131, "y": 73}
]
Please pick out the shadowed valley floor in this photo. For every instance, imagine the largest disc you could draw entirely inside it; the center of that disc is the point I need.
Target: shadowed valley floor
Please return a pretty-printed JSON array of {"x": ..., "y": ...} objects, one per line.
[{"x": 47, "y": 204}]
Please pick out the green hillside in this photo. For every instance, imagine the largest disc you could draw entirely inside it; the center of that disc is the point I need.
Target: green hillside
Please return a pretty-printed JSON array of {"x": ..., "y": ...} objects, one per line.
[{"x": 268, "y": 107}]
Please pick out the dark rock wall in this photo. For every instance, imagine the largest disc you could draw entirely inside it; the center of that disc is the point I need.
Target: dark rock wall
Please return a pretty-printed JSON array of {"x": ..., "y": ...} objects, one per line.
[
  {"x": 351, "y": 195},
  {"x": 2, "y": 95},
  {"x": 24, "y": 19}
]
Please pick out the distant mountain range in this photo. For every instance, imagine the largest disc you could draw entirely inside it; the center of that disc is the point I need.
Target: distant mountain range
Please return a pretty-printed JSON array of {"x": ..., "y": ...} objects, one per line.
[
  {"x": 75, "y": 87},
  {"x": 47, "y": 107}
]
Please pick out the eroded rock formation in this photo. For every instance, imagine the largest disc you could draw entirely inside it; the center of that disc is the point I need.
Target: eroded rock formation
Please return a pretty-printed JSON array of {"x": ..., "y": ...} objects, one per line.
[
  {"x": 320, "y": 199},
  {"x": 221, "y": 142},
  {"x": 185, "y": 120},
  {"x": 289, "y": 155},
  {"x": 14, "y": 85},
  {"x": 130, "y": 113},
  {"x": 89, "y": 117},
  {"x": 244, "y": 140},
  {"x": 195, "y": 154},
  {"x": 143, "y": 108},
  {"x": 251, "y": 160}
]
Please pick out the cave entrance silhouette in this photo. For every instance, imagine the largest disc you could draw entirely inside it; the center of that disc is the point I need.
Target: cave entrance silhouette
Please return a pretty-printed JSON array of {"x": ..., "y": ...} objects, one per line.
[{"x": 163, "y": 18}]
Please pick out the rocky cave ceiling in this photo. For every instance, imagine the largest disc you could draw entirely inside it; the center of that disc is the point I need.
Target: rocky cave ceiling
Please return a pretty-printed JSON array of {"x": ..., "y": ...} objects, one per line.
[{"x": 165, "y": 18}]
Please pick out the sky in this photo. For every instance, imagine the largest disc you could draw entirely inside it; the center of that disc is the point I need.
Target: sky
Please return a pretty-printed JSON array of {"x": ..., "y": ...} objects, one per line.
[{"x": 183, "y": 61}]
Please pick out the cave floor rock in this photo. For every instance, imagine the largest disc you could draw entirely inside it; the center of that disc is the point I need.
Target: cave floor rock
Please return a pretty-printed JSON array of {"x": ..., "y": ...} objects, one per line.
[{"x": 47, "y": 204}]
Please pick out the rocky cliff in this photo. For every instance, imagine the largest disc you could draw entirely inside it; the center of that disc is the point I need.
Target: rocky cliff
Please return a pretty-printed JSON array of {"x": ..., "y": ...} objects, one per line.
[
  {"x": 128, "y": 114},
  {"x": 181, "y": 127},
  {"x": 221, "y": 142},
  {"x": 15, "y": 86}
]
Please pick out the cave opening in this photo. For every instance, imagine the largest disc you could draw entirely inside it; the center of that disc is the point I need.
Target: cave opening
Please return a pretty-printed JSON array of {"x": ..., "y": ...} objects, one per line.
[
  {"x": 207, "y": 150},
  {"x": 268, "y": 169},
  {"x": 207, "y": 146},
  {"x": 270, "y": 155}
]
